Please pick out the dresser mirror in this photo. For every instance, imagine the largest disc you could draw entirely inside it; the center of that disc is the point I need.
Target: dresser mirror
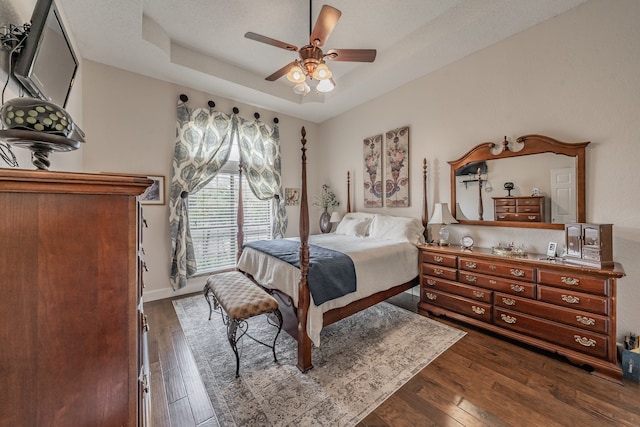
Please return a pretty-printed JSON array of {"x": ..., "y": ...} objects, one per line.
[{"x": 534, "y": 182}]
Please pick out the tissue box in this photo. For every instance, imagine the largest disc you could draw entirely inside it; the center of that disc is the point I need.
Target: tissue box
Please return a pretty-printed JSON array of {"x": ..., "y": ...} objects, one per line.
[{"x": 631, "y": 365}]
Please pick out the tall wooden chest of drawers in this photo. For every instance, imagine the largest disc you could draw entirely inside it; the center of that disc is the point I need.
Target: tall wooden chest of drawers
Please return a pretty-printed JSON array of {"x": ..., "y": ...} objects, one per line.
[
  {"x": 555, "y": 306},
  {"x": 72, "y": 332},
  {"x": 519, "y": 208}
]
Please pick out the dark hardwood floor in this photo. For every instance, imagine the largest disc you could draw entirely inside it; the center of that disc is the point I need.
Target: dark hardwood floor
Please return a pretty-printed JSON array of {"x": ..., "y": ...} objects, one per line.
[{"x": 480, "y": 380}]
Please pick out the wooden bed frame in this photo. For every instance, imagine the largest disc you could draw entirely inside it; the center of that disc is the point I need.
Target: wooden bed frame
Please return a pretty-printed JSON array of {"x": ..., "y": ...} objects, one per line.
[{"x": 295, "y": 318}]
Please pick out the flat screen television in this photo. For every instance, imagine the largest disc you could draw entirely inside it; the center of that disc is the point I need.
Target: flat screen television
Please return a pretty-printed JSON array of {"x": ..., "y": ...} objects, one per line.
[{"x": 46, "y": 66}]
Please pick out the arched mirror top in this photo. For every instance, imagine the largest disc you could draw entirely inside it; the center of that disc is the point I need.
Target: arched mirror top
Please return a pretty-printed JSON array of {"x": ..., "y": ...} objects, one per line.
[{"x": 474, "y": 175}]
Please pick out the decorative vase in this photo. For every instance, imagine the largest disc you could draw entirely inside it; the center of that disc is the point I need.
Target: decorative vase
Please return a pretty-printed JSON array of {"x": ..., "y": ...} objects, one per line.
[{"x": 325, "y": 222}]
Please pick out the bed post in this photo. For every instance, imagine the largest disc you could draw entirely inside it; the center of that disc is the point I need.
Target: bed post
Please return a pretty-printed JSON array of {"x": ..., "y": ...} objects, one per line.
[
  {"x": 240, "y": 215},
  {"x": 304, "y": 299},
  {"x": 425, "y": 205},
  {"x": 348, "y": 191}
]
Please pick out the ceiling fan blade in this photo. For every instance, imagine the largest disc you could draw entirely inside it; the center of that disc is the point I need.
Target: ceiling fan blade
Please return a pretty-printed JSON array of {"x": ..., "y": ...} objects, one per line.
[
  {"x": 281, "y": 72},
  {"x": 268, "y": 40},
  {"x": 327, "y": 20},
  {"x": 352, "y": 55}
]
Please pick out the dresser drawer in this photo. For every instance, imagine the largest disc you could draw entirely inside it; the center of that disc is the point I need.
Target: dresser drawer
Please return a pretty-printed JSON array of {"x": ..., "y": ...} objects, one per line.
[
  {"x": 528, "y": 209},
  {"x": 440, "y": 259},
  {"x": 498, "y": 284},
  {"x": 576, "y": 300},
  {"x": 504, "y": 202},
  {"x": 511, "y": 271},
  {"x": 506, "y": 209},
  {"x": 439, "y": 271},
  {"x": 586, "y": 342},
  {"x": 468, "y": 307},
  {"x": 521, "y": 217},
  {"x": 467, "y": 291},
  {"x": 574, "y": 282},
  {"x": 576, "y": 318}
]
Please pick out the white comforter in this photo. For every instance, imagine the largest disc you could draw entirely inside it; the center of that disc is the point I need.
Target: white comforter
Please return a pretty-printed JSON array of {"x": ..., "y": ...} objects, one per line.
[{"x": 379, "y": 265}]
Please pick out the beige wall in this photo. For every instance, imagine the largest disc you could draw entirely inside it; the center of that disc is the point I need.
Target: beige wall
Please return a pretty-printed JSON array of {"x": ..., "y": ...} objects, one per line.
[
  {"x": 574, "y": 78},
  {"x": 130, "y": 125}
]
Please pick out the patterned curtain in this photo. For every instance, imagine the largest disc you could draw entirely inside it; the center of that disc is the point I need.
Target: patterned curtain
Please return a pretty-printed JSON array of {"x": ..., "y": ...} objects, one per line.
[
  {"x": 203, "y": 144},
  {"x": 260, "y": 155}
]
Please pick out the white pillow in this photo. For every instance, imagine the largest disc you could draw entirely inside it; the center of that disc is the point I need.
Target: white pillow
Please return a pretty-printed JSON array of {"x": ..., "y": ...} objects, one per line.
[
  {"x": 359, "y": 215},
  {"x": 350, "y": 226},
  {"x": 397, "y": 228}
]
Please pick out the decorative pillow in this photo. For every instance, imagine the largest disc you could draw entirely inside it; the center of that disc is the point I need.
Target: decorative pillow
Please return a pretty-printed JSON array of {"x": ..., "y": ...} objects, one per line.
[
  {"x": 350, "y": 226},
  {"x": 397, "y": 228}
]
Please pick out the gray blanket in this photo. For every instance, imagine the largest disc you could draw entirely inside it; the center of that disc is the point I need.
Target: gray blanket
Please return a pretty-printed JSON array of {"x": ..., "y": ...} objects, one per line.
[{"x": 331, "y": 273}]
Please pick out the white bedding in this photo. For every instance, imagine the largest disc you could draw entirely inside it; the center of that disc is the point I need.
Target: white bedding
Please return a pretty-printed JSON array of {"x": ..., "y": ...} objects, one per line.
[{"x": 379, "y": 265}]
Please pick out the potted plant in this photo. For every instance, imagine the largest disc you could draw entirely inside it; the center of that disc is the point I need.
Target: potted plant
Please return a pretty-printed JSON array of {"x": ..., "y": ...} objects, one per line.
[{"x": 326, "y": 201}]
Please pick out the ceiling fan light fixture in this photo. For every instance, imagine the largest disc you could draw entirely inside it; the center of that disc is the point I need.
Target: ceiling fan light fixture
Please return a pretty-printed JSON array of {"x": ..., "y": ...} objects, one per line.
[
  {"x": 322, "y": 72},
  {"x": 326, "y": 85},
  {"x": 296, "y": 74},
  {"x": 302, "y": 88}
]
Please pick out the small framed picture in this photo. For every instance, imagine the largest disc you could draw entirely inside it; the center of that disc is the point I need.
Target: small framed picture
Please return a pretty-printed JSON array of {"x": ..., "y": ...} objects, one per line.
[
  {"x": 292, "y": 196},
  {"x": 551, "y": 250},
  {"x": 154, "y": 194}
]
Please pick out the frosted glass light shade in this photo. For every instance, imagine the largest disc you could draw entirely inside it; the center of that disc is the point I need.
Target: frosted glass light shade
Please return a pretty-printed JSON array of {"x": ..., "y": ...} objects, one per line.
[
  {"x": 326, "y": 85},
  {"x": 322, "y": 72},
  {"x": 296, "y": 75},
  {"x": 302, "y": 88}
]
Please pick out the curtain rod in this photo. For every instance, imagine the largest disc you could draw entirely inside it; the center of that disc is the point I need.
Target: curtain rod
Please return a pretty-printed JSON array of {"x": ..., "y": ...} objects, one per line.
[{"x": 211, "y": 104}]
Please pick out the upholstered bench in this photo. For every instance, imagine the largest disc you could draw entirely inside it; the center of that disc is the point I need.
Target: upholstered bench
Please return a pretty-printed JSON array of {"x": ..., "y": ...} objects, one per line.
[{"x": 240, "y": 299}]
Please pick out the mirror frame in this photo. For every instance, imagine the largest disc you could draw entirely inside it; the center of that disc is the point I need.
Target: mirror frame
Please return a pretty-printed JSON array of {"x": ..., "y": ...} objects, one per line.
[{"x": 526, "y": 145}]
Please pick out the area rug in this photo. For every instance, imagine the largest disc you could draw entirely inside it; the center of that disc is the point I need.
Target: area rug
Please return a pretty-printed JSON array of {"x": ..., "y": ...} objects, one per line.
[{"x": 361, "y": 361}]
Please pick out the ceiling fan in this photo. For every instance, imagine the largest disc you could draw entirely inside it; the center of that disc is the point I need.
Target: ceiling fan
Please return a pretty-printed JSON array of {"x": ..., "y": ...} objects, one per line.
[{"x": 311, "y": 63}]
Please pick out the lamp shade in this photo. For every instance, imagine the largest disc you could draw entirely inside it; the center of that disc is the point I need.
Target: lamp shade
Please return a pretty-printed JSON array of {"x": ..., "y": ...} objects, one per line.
[
  {"x": 459, "y": 213},
  {"x": 322, "y": 72},
  {"x": 335, "y": 217},
  {"x": 326, "y": 85},
  {"x": 441, "y": 215}
]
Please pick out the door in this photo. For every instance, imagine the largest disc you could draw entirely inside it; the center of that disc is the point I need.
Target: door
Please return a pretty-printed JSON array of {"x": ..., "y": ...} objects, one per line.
[{"x": 563, "y": 195}]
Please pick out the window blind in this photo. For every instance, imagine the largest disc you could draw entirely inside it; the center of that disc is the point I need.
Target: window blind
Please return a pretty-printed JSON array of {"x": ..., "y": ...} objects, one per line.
[{"x": 212, "y": 221}]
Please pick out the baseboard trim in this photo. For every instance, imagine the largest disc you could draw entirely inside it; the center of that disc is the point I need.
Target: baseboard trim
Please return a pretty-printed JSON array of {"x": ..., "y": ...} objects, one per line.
[{"x": 194, "y": 285}]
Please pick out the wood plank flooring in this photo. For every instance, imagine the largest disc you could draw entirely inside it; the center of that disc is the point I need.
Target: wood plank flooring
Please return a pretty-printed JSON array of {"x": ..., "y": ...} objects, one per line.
[{"x": 481, "y": 380}]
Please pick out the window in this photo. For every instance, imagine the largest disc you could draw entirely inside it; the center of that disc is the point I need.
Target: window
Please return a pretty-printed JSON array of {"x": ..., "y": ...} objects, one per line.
[{"x": 212, "y": 218}]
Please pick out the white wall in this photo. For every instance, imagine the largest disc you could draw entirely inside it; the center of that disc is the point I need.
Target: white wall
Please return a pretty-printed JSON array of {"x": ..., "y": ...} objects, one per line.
[
  {"x": 131, "y": 124},
  {"x": 574, "y": 78}
]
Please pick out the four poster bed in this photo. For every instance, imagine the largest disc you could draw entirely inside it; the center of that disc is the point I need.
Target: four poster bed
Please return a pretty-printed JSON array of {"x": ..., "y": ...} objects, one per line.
[{"x": 381, "y": 249}]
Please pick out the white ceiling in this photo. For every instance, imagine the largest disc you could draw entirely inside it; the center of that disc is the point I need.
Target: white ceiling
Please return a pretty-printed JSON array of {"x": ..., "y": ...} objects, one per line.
[{"x": 200, "y": 43}]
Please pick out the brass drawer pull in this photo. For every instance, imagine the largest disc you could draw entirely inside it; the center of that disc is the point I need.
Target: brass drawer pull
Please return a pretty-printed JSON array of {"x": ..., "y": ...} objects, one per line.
[
  {"x": 531, "y": 217},
  {"x": 570, "y": 281},
  {"x": 478, "y": 294},
  {"x": 509, "y": 301},
  {"x": 508, "y": 319},
  {"x": 493, "y": 282},
  {"x": 517, "y": 288},
  {"x": 517, "y": 273},
  {"x": 431, "y": 296},
  {"x": 477, "y": 310},
  {"x": 431, "y": 282},
  {"x": 437, "y": 258},
  {"x": 492, "y": 267},
  {"x": 438, "y": 272},
  {"x": 586, "y": 320},
  {"x": 587, "y": 342},
  {"x": 471, "y": 278},
  {"x": 470, "y": 264},
  {"x": 570, "y": 299}
]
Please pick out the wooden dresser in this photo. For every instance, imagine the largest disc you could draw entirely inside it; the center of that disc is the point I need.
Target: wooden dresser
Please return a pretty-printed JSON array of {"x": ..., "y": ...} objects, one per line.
[
  {"x": 519, "y": 208},
  {"x": 552, "y": 305},
  {"x": 72, "y": 335}
]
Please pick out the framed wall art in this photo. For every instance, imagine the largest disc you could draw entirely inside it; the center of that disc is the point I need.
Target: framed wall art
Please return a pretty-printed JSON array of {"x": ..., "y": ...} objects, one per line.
[
  {"x": 372, "y": 180},
  {"x": 154, "y": 194},
  {"x": 291, "y": 196},
  {"x": 396, "y": 168}
]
